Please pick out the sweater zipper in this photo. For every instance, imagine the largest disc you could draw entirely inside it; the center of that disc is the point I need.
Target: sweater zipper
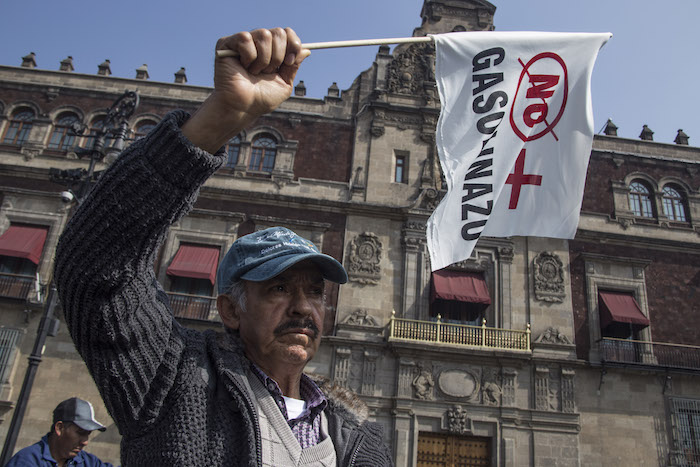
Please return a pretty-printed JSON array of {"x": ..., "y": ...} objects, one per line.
[
  {"x": 251, "y": 407},
  {"x": 355, "y": 451}
]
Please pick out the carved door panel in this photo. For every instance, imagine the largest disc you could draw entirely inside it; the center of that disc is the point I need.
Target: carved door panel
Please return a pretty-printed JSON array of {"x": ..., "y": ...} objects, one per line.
[{"x": 443, "y": 450}]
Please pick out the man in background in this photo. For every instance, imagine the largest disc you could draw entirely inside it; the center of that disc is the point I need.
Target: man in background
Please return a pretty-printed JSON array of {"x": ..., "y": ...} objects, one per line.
[{"x": 73, "y": 421}]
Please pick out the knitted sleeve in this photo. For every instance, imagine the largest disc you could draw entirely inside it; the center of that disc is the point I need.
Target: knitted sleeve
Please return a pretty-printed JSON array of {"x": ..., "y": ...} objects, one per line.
[{"x": 115, "y": 310}]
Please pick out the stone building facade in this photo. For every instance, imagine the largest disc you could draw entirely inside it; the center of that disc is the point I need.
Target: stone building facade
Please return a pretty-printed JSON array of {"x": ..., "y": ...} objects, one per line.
[{"x": 536, "y": 368}]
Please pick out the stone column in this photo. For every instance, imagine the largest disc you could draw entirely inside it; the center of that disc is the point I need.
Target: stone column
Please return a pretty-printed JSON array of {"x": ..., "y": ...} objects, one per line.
[{"x": 414, "y": 265}]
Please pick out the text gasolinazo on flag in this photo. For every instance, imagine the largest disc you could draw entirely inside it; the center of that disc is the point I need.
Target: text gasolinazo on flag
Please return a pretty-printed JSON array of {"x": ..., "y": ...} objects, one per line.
[{"x": 514, "y": 136}]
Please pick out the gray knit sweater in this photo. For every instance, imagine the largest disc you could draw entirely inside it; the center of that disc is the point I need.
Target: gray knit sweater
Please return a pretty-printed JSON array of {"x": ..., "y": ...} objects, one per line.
[{"x": 176, "y": 395}]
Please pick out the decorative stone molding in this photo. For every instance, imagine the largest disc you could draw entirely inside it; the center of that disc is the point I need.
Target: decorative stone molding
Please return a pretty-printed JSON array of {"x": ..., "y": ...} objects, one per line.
[
  {"x": 360, "y": 317},
  {"x": 413, "y": 243},
  {"x": 506, "y": 254},
  {"x": 364, "y": 256},
  {"x": 341, "y": 371},
  {"x": 459, "y": 384},
  {"x": 508, "y": 394},
  {"x": 541, "y": 388},
  {"x": 552, "y": 336},
  {"x": 423, "y": 384},
  {"x": 549, "y": 277},
  {"x": 457, "y": 421},
  {"x": 428, "y": 199},
  {"x": 369, "y": 372},
  {"x": 407, "y": 370},
  {"x": 568, "y": 394}
]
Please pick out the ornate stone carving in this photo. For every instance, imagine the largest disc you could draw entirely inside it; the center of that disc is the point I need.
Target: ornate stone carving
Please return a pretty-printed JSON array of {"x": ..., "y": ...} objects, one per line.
[
  {"x": 428, "y": 199},
  {"x": 490, "y": 390},
  {"x": 377, "y": 130},
  {"x": 423, "y": 384},
  {"x": 364, "y": 255},
  {"x": 552, "y": 336},
  {"x": 506, "y": 254},
  {"x": 414, "y": 225},
  {"x": 625, "y": 222},
  {"x": 458, "y": 421},
  {"x": 413, "y": 243},
  {"x": 411, "y": 69},
  {"x": 360, "y": 317},
  {"x": 549, "y": 277}
]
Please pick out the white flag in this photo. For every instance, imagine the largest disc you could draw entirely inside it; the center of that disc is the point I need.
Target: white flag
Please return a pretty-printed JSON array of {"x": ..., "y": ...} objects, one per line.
[{"x": 514, "y": 136}]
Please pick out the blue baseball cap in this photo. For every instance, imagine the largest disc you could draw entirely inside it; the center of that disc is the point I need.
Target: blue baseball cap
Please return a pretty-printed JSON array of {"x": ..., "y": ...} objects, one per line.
[
  {"x": 264, "y": 254},
  {"x": 78, "y": 411}
]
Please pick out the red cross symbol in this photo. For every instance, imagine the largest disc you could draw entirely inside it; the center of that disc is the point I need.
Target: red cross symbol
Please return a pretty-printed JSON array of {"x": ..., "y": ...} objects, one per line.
[{"x": 518, "y": 178}]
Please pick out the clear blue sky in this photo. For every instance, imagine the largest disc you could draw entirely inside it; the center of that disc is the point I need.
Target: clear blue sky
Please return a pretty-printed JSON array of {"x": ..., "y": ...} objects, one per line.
[{"x": 647, "y": 73}]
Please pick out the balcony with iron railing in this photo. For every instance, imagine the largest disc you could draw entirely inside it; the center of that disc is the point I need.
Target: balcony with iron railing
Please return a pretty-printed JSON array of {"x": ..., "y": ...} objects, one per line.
[
  {"x": 199, "y": 307},
  {"x": 15, "y": 285},
  {"x": 458, "y": 335},
  {"x": 657, "y": 354}
]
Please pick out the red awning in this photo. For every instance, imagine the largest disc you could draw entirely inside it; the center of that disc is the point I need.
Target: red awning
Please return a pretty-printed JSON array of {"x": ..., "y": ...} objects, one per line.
[
  {"x": 619, "y": 307},
  {"x": 195, "y": 261},
  {"x": 24, "y": 241},
  {"x": 460, "y": 286}
]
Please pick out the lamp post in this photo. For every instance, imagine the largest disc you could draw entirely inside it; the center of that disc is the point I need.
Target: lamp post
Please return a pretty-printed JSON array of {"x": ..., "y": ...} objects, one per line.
[{"x": 116, "y": 124}]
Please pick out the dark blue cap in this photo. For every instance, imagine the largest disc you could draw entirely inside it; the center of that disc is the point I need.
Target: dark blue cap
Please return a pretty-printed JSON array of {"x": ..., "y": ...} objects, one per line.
[{"x": 264, "y": 254}]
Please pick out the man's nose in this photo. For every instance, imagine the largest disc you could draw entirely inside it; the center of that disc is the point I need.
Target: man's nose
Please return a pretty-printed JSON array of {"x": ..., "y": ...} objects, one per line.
[{"x": 301, "y": 303}]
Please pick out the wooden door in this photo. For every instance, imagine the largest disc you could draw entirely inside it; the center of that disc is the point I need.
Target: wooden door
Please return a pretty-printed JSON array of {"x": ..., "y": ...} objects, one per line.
[{"x": 444, "y": 450}]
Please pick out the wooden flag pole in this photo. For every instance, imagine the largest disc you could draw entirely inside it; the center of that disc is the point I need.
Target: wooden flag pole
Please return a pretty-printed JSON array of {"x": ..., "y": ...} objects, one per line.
[{"x": 337, "y": 44}]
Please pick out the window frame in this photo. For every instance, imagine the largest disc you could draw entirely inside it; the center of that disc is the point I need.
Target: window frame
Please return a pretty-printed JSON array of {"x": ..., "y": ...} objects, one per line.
[
  {"x": 61, "y": 138},
  {"x": 23, "y": 126},
  {"x": 674, "y": 203},
  {"x": 261, "y": 155},
  {"x": 641, "y": 202}
]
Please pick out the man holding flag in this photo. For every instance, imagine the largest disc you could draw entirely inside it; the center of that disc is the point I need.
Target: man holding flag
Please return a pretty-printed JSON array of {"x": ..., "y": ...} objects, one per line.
[{"x": 514, "y": 136}]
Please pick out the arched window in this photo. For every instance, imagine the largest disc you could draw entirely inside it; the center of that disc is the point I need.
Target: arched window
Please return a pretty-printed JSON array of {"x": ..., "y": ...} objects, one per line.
[
  {"x": 95, "y": 127},
  {"x": 233, "y": 149},
  {"x": 143, "y": 128},
  {"x": 63, "y": 136},
  {"x": 674, "y": 204},
  {"x": 263, "y": 154},
  {"x": 640, "y": 200},
  {"x": 18, "y": 127}
]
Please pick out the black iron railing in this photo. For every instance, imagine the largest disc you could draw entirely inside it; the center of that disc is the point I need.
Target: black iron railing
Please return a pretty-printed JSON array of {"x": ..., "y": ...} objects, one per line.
[
  {"x": 191, "y": 306},
  {"x": 15, "y": 285},
  {"x": 650, "y": 353}
]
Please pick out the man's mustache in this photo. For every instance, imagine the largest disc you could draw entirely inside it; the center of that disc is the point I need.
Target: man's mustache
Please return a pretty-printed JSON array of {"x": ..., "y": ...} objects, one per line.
[{"x": 298, "y": 324}]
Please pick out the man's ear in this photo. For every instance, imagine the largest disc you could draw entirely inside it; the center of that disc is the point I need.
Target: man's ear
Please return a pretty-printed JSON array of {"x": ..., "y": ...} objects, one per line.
[
  {"x": 228, "y": 311},
  {"x": 58, "y": 428}
]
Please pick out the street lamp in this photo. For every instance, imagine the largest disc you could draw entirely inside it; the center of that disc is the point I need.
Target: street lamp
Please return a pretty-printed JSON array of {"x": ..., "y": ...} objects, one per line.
[{"x": 115, "y": 124}]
